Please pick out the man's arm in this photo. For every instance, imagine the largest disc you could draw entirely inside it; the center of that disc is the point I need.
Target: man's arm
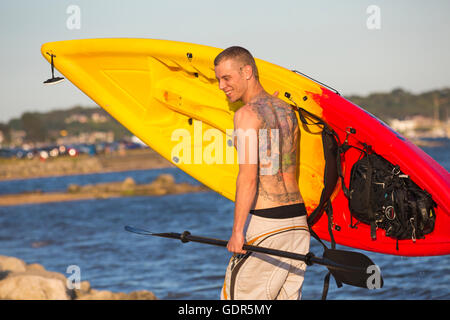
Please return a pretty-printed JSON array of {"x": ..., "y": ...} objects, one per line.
[{"x": 246, "y": 124}]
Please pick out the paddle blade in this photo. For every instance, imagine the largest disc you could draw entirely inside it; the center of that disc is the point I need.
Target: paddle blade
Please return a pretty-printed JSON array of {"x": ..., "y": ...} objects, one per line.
[
  {"x": 138, "y": 231},
  {"x": 366, "y": 274}
]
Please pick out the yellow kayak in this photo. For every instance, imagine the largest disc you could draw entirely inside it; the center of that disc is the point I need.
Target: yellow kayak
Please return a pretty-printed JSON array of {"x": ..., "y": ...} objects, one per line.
[{"x": 166, "y": 93}]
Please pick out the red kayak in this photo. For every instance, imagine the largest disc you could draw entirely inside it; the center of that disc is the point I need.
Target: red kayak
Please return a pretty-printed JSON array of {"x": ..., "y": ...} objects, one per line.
[{"x": 340, "y": 114}]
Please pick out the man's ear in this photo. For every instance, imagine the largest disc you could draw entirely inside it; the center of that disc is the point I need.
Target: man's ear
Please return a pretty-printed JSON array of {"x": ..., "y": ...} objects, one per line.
[{"x": 248, "y": 72}]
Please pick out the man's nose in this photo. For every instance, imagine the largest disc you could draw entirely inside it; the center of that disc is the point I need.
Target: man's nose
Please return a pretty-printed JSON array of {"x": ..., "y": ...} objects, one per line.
[{"x": 221, "y": 85}]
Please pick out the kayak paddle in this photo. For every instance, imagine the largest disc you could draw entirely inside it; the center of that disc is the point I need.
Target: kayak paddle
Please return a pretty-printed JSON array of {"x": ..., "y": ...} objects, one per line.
[{"x": 352, "y": 268}]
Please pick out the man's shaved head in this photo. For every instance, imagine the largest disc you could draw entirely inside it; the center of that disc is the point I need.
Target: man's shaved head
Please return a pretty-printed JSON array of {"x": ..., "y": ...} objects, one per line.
[{"x": 240, "y": 55}]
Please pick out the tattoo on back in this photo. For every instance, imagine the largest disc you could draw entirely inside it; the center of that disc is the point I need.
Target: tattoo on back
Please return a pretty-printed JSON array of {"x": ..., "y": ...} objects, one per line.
[{"x": 279, "y": 121}]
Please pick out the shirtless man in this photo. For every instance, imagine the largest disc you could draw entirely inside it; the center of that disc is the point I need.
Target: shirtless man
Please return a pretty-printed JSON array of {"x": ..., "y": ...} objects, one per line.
[{"x": 269, "y": 209}]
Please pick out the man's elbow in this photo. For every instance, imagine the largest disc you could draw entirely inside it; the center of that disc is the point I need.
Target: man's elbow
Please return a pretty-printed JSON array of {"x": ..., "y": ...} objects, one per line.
[{"x": 248, "y": 177}]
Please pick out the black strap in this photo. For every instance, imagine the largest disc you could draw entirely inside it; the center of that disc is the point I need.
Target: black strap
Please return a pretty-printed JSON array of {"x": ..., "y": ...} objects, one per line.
[
  {"x": 368, "y": 187},
  {"x": 333, "y": 168},
  {"x": 341, "y": 150},
  {"x": 329, "y": 211},
  {"x": 332, "y": 153},
  {"x": 315, "y": 236},
  {"x": 326, "y": 281},
  {"x": 331, "y": 174},
  {"x": 326, "y": 285},
  {"x": 401, "y": 198}
]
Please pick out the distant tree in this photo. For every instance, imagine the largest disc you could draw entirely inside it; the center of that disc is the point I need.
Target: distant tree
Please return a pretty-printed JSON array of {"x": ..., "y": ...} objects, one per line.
[
  {"x": 401, "y": 104},
  {"x": 6, "y": 132},
  {"x": 35, "y": 130}
]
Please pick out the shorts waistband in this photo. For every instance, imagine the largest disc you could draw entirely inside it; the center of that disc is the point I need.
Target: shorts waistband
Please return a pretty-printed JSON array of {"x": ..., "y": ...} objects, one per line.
[{"x": 281, "y": 212}]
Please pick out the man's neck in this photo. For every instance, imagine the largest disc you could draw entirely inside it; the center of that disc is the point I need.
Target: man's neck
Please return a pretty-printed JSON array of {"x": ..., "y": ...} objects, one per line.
[{"x": 253, "y": 90}]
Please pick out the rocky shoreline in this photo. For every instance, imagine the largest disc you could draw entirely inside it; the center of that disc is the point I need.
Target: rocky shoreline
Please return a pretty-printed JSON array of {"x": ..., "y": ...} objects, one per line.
[
  {"x": 22, "y": 281},
  {"x": 162, "y": 185}
]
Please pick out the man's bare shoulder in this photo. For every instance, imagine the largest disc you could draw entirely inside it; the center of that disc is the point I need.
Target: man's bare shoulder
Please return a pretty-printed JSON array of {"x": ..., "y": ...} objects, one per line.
[{"x": 248, "y": 113}]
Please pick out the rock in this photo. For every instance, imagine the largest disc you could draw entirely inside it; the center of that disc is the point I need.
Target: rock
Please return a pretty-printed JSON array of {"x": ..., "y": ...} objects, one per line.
[
  {"x": 19, "y": 281},
  {"x": 162, "y": 185},
  {"x": 12, "y": 264},
  {"x": 128, "y": 186},
  {"x": 141, "y": 295},
  {"x": 165, "y": 179},
  {"x": 85, "y": 286},
  {"x": 73, "y": 188},
  {"x": 41, "y": 273},
  {"x": 96, "y": 295},
  {"x": 128, "y": 182},
  {"x": 35, "y": 266},
  {"x": 32, "y": 287},
  {"x": 85, "y": 289},
  {"x": 108, "y": 295}
]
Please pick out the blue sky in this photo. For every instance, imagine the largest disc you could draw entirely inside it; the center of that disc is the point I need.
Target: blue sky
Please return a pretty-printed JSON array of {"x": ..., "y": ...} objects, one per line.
[{"x": 328, "y": 40}]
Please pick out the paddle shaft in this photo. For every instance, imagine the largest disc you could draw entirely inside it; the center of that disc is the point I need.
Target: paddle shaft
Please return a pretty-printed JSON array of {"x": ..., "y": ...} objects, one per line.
[
  {"x": 309, "y": 258},
  {"x": 248, "y": 247}
]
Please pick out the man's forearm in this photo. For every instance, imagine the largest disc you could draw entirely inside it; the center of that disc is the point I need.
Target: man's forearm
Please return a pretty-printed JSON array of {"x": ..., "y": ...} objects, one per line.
[{"x": 245, "y": 196}]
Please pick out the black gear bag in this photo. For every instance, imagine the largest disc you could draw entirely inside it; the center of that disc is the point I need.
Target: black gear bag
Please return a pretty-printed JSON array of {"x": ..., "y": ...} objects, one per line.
[{"x": 384, "y": 197}]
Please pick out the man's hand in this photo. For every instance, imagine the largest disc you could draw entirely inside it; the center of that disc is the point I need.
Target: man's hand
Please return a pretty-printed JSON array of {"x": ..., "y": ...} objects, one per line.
[{"x": 236, "y": 243}]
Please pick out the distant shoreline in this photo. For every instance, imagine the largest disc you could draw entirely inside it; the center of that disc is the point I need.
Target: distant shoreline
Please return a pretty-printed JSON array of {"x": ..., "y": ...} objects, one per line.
[
  {"x": 78, "y": 174},
  {"x": 127, "y": 160},
  {"x": 84, "y": 173},
  {"x": 140, "y": 159},
  {"x": 425, "y": 142}
]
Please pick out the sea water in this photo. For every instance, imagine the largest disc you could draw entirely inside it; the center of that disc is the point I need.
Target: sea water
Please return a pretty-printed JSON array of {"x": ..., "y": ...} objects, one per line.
[{"x": 90, "y": 234}]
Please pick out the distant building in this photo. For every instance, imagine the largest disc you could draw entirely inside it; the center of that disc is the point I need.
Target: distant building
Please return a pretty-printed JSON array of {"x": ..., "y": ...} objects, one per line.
[
  {"x": 421, "y": 127},
  {"x": 98, "y": 118},
  {"x": 81, "y": 118},
  {"x": 402, "y": 126},
  {"x": 17, "y": 137},
  {"x": 87, "y": 137}
]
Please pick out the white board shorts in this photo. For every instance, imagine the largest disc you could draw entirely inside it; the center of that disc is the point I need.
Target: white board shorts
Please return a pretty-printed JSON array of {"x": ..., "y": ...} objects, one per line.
[{"x": 258, "y": 276}]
